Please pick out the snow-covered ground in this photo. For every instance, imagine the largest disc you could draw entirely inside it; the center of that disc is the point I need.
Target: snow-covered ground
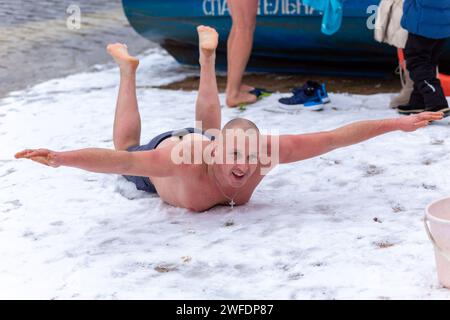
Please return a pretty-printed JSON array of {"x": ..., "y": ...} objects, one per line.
[{"x": 345, "y": 225}]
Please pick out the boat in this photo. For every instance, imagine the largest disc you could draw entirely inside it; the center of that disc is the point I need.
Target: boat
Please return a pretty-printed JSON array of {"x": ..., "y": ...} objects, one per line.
[{"x": 288, "y": 37}]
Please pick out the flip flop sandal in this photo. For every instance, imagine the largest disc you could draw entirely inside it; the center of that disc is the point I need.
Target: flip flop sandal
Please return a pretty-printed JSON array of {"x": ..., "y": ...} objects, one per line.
[
  {"x": 242, "y": 106},
  {"x": 261, "y": 93}
]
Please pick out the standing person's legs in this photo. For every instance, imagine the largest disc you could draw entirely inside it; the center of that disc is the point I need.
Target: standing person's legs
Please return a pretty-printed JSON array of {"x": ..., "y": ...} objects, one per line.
[
  {"x": 127, "y": 121},
  {"x": 420, "y": 55},
  {"x": 437, "y": 53},
  {"x": 207, "y": 109},
  {"x": 240, "y": 43},
  {"x": 438, "y": 50},
  {"x": 416, "y": 99}
]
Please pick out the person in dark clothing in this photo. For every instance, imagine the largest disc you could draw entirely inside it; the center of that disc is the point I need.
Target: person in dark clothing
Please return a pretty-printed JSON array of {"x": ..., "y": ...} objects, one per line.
[{"x": 428, "y": 24}]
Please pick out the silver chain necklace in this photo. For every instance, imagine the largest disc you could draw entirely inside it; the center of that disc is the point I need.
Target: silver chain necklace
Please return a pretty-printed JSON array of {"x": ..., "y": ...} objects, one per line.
[{"x": 231, "y": 203}]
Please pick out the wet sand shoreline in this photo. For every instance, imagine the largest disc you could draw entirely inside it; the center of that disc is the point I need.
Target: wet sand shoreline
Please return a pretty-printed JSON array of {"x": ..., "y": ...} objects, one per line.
[{"x": 284, "y": 83}]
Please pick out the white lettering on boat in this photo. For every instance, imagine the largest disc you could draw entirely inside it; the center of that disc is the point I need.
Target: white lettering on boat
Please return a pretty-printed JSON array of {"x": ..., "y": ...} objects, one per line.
[
  {"x": 266, "y": 8},
  {"x": 215, "y": 7},
  {"x": 372, "y": 11}
]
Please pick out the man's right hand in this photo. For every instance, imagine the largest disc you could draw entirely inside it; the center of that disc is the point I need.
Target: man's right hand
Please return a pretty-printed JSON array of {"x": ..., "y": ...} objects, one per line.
[{"x": 42, "y": 156}]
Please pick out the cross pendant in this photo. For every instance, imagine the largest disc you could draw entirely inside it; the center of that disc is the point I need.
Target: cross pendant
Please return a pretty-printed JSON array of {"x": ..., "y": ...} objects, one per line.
[{"x": 232, "y": 203}]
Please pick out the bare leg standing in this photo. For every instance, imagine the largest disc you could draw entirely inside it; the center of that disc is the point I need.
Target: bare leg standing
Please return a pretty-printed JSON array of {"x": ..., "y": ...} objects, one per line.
[
  {"x": 230, "y": 44},
  {"x": 240, "y": 43}
]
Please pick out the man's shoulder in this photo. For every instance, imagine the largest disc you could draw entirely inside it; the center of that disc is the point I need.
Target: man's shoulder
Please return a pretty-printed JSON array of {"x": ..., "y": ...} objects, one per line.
[{"x": 191, "y": 152}]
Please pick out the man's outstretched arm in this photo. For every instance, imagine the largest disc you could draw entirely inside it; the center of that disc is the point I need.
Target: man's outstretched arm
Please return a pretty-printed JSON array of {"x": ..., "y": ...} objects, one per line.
[
  {"x": 303, "y": 146},
  {"x": 154, "y": 163}
]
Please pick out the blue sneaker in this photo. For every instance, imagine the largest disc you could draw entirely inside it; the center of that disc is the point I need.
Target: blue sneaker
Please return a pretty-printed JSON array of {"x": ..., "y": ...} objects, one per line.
[
  {"x": 311, "y": 96},
  {"x": 311, "y": 86},
  {"x": 324, "y": 94}
]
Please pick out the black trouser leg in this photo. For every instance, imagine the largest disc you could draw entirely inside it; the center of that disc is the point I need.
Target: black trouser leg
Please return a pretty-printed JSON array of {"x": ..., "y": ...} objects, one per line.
[
  {"x": 416, "y": 99},
  {"x": 422, "y": 56},
  {"x": 438, "y": 50}
]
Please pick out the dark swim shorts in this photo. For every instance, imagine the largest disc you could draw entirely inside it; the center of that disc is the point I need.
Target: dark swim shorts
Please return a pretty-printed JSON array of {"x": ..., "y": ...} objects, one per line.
[{"x": 144, "y": 183}]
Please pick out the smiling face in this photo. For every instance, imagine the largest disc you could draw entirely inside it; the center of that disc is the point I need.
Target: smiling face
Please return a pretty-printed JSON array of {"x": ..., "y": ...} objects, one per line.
[{"x": 237, "y": 153}]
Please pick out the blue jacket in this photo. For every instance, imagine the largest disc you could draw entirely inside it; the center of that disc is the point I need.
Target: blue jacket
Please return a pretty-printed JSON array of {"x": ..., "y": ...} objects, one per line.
[
  {"x": 332, "y": 13},
  {"x": 427, "y": 18}
]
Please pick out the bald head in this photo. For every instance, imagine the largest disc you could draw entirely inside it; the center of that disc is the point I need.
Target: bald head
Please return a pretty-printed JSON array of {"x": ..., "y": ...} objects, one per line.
[
  {"x": 240, "y": 123},
  {"x": 239, "y": 140}
]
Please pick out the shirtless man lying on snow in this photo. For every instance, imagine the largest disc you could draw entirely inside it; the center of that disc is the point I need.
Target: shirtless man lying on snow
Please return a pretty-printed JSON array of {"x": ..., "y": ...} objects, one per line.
[{"x": 219, "y": 166}]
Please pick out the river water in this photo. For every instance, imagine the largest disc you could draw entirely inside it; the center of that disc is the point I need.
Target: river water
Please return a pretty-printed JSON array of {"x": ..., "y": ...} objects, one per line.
[{"x": 44, "y": 39}]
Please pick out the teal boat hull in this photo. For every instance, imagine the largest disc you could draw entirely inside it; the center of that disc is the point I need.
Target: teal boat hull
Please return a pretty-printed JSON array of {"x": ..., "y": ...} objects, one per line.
[{"x": 287, "y": 39}]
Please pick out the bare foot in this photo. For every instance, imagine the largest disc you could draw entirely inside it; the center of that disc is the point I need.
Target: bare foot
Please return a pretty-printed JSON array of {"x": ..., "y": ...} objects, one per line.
[
  {"x": 120, "y": 54},
  {"x": 208, "y": 39},
  {"x": 246, "y": 88},
  {"x": 234, "y": 101}
]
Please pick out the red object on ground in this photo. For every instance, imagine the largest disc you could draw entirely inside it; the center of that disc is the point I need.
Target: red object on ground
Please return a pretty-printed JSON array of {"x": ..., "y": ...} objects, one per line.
[{"x": 445, "y": 79}]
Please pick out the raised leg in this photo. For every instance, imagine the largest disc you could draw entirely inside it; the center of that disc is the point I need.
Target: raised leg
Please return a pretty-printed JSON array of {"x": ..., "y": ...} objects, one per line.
[
  {"x": 240, "y": 43},
  {"x": 207, "y": 109},
  {"x": 127, "y": 121}
]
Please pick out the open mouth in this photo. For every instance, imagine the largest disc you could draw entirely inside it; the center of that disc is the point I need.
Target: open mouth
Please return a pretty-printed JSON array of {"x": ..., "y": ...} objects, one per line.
[{"x": 238, "y": 175}]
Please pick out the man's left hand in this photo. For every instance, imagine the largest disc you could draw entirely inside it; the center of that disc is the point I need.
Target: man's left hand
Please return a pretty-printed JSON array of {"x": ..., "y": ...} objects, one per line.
[{"x": 414, "y": 122}]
